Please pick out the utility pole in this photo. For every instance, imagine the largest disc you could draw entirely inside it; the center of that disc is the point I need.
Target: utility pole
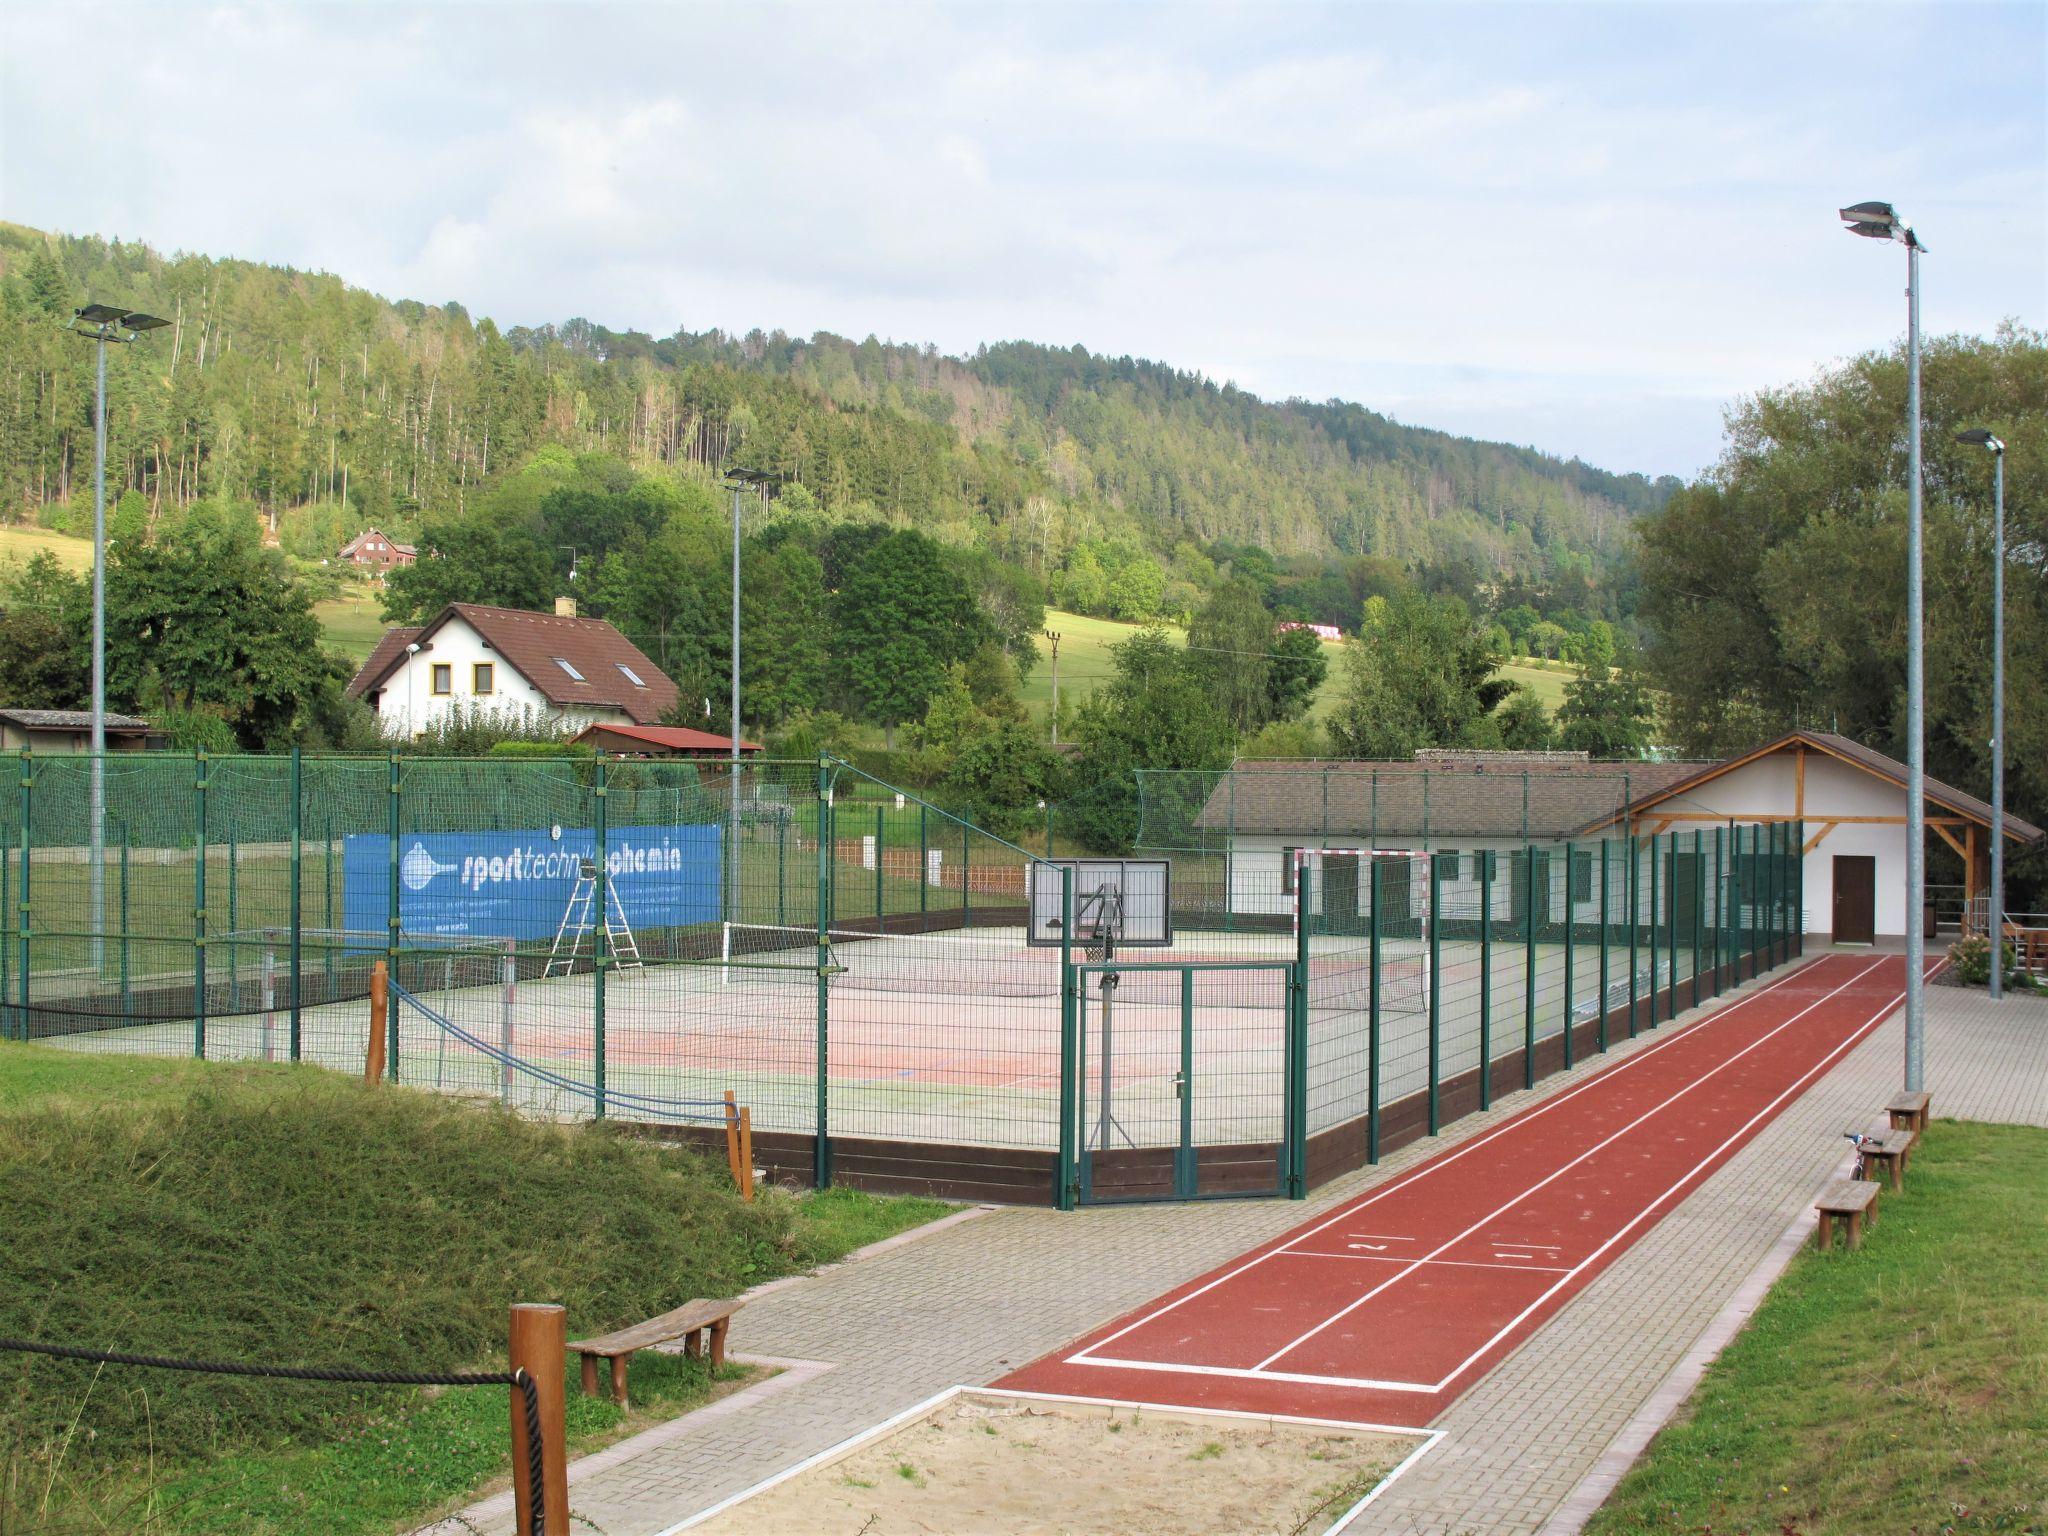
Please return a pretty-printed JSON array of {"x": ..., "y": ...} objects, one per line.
[{"x": 1054, "y": 636}]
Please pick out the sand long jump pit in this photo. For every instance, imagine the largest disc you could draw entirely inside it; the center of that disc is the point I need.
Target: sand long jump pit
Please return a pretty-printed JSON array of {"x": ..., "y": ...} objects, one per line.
[{"x": 980, "y": 1462}]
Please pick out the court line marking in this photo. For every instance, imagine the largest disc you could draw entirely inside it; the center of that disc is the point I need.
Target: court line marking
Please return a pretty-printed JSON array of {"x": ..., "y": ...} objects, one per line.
[
  {"x": 1564, "y": 1168},
  {"x": 1259, "y": 1372},
  {"x": 1402, "y": 1181}
]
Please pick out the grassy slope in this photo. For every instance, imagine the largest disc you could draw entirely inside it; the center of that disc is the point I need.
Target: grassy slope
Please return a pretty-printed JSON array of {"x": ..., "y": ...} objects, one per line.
[
  {"x": 21, "y": 544},
  {"x": 288, "y": 1214},
  {"x": 1903, "y": 1388},
  {"x": 354, "y": 622}
]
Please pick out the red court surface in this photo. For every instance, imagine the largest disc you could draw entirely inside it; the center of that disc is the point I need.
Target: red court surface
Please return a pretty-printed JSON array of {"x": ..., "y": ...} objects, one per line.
[{"x": 1389, "y": 1307}]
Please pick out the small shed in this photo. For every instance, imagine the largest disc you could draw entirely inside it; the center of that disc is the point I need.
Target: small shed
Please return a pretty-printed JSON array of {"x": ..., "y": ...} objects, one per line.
[{"x": 660, "y": 741}]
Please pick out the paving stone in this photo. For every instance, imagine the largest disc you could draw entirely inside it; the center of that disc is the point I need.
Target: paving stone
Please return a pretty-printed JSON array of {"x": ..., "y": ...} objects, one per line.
[{"x": 971, "y": 1303}]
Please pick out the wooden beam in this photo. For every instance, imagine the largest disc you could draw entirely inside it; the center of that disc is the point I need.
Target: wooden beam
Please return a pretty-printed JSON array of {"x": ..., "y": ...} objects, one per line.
[
  {"x": 1813, "y": 842},
  {"x": 1663, "y": 825},
  {"x": 1951, "y": 839},
  {"x": 1799, "y": 782}
]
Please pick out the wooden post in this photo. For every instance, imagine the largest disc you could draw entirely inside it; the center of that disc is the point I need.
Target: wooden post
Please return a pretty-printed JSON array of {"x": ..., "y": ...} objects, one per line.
[
  {"x": 732, "y": 1139},
  {"x": 746, "y": 1154},
  {"x": 540, "y": 1348},
  {"x": 380, "y": 1002}
]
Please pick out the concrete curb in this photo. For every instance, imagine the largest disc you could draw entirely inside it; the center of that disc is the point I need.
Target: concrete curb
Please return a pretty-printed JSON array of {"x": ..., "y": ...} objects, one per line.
[{"x": 1594, "y": 1489}]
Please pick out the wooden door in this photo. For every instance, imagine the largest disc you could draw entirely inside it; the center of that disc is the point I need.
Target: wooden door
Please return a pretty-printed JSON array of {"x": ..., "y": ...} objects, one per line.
[{"x": 1855, "y": 898}]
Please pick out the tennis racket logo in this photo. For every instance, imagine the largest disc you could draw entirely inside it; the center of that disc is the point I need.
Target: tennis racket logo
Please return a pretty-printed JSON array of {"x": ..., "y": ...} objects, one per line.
[{"x": 418, "y": 868}]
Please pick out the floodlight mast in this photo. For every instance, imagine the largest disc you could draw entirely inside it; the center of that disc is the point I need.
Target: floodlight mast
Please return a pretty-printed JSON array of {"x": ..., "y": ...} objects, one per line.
[
  {"x": 1881, "y": 221},
  {"x": 1995, "y": 913},
  {"x": 738, "y": 479},
  {"x": 100, "y": 324}
]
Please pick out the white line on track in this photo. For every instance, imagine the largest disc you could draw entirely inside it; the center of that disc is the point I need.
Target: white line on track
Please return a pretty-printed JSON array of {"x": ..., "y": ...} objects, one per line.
[
  {"x": 1367, "y": 1258},
  {"x": 1402, "y": 1181},
  {"x": 1263, "y": 1370}
]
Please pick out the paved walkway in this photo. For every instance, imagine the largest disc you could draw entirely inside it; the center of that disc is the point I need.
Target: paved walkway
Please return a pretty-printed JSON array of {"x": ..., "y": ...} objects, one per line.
[{"x": 974, "y": 1301}]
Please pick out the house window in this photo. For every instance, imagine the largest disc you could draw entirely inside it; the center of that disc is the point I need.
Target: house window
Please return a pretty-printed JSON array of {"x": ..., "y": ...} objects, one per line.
[
  {"x": 444, "y": 677},
  {"x": 482, "y": 678},
  {"x": 631, "y": 676},
  {"x": 1288, "y": 856},
  {"x": 569, "y": 668}
]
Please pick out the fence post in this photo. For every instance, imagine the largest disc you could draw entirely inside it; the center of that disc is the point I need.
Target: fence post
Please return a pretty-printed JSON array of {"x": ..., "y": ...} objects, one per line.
[
  {"x": 1297, "y": 1058},
  {"x": 1655, "y": 891},
  {"x": 924, "y": 861},
  {"x": 380, "y": 1007},
  {"x": 880, "y": 820},
  {"x": 1372, "y": 1066},
  {"x": 781, "y": 873},
  {"x": 1065, "y": 1181},
  {"x": 1571, "y": 941},
  {"x": 966, "y": 917},
  {"x": 7, "y": 948},
  {"x": 1528, "y": 960},
  {"x": 1605, "y": 875},
  {"x": 298, "y": 858},
  {"x": 127, "y": 988},
  {"x": 199, "y": 905},
  {"x": 327, "y": 897},
  {"x": 821, "y": 1162},
  {"x": 393, "y": 931},
  {"x": 539, "y": 1347},
  {"x": 601, "y": 936},
  {"x": 1635, "y": 902},
  {"x": 1486, "y": 858},
  {"x": 22, "y": 913},
  {"x": 1699, "y": 902},
  {"x": 1436, "y": 965},
  {"x": 234, "y": 920}
]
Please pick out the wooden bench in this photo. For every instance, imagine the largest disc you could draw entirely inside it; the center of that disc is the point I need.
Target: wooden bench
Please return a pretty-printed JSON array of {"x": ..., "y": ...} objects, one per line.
[
  {"x": 1887, "y": 1153},
  {"x": 1909, "y": 1112},
  {"x": 692, "y": 1321},
  {"x": 1848, "y": 1201}
]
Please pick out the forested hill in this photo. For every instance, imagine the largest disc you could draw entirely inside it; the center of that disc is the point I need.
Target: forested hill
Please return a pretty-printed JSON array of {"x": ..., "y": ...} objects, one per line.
[{"x": 281, "y": 388}]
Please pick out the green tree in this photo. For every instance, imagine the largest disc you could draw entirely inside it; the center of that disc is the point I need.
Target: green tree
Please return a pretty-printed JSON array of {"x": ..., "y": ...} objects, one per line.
[
  {"x": 203, "y": 619},
  {"x": 1001, "y": 777},
  {"x": 1608, "y": 709},
  {"x": 1231, "y": 643},
  {"x": 1418, "y": 675},
  {"x": 1299, "y": 668},
  {"x": 902, "y": 617},
  {"x": 1524, "y": 723},
  {"x": 472, "y": 560},
  {"x": 1156, "y": 711}
]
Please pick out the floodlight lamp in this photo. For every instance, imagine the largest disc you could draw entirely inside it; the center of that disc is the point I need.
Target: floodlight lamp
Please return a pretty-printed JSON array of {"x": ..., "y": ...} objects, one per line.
[{"x": 1979, "y": 437}]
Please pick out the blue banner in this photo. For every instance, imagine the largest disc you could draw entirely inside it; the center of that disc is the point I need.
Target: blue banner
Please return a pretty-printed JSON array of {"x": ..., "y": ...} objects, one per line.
[{"x": 516, "y": 885}]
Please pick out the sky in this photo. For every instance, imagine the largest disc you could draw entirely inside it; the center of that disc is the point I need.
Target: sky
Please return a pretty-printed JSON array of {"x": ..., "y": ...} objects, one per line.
[{"x": 1589, "y": 228}]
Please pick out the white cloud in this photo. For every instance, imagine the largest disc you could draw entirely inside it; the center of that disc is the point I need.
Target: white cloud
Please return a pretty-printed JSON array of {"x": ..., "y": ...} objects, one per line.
[{"x": 1583, "y": 228}]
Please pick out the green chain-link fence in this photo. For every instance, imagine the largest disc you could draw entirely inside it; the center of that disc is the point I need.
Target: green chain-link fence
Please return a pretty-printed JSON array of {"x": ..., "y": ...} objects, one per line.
[{"x": 635, "y": 939}]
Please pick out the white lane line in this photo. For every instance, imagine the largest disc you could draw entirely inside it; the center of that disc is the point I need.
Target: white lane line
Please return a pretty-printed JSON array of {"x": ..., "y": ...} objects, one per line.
[
  {"x": 1444, "y": 1160},
  {"x": 1365, "y": 1258},
  {"x": 1797, "y": 1087},
  {"x": 1255, "y": 1373},
  {"x": 1563, "y": 1169}
]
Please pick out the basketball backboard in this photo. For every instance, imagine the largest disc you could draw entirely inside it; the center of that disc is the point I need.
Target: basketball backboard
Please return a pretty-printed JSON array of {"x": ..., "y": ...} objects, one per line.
[{"x": 1126, "y": 900}]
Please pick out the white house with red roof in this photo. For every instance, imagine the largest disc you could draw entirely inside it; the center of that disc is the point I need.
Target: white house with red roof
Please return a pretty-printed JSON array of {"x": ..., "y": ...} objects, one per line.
[{"x": 567, "y": 671}]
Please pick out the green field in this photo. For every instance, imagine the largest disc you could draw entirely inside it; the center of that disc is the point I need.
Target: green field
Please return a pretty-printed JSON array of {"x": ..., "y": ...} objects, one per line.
[
  {"x": 353, "y": 622},
  {"x": 22, "y": 544},
  {"x": 1900, "y": 1388}
]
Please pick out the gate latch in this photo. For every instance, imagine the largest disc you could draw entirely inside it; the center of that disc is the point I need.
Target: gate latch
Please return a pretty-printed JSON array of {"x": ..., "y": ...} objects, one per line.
[{"x": 1180, "y": 1085}]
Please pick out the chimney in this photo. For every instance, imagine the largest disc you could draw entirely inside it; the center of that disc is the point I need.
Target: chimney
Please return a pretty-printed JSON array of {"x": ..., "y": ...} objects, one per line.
[{"x": 565, "y": 607}]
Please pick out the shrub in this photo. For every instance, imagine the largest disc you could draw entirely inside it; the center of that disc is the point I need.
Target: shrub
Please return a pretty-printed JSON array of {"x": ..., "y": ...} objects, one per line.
[{"x": 1971, "y": 958}]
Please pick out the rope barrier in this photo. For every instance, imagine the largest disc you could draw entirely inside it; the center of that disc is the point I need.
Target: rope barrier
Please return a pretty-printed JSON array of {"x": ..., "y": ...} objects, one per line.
[
  {"x": 520, "y": 1380},
  {"x": 677, "y": 1109}
]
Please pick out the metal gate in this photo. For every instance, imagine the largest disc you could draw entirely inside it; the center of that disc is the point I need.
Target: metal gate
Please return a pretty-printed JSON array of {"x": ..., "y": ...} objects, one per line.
[{"x": 1185, "y": 1079}]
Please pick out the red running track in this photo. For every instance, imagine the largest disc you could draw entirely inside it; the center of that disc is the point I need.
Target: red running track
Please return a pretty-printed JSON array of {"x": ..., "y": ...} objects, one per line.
[{"x": 1387, "y": 1308}]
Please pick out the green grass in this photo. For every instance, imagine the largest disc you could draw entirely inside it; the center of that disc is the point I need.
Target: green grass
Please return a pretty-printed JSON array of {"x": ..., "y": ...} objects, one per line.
[
  {"x": 353, "y": 622},
  {"x": 20, "y": 545},
  {"x": 288, "y": 1214},
  {"x": 1899, "y": 1389}
]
